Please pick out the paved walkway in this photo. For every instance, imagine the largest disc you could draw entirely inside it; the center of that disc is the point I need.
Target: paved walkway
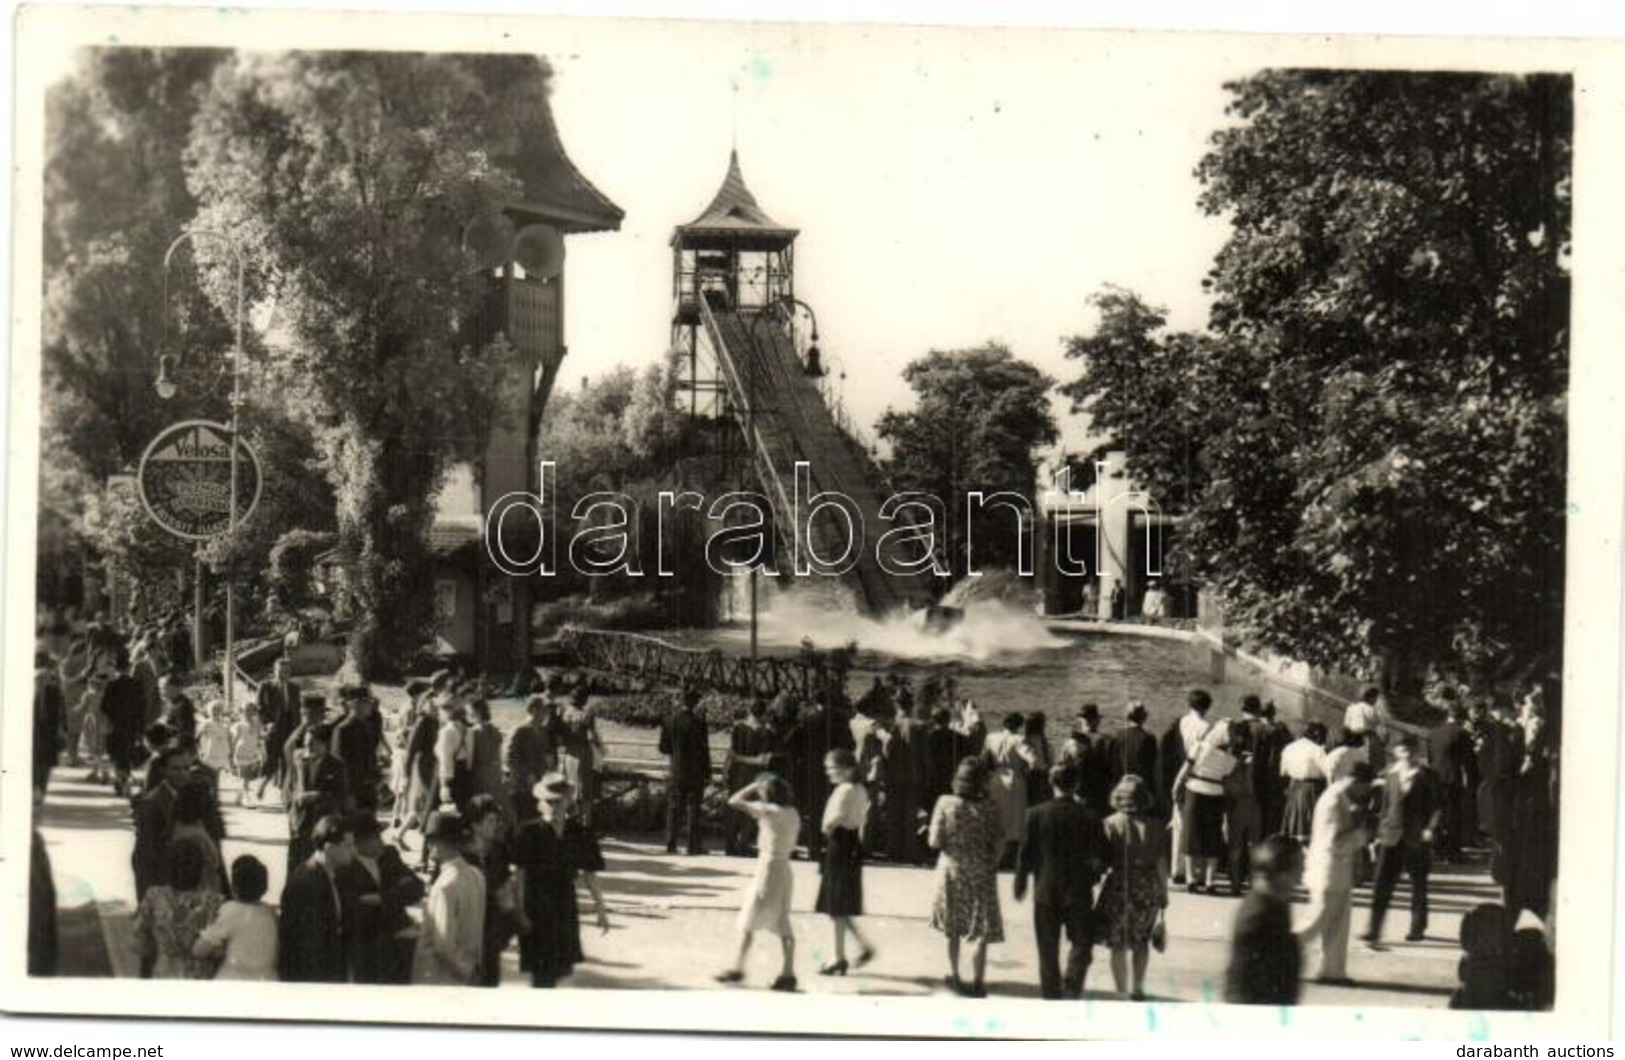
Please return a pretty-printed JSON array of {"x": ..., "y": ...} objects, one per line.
[{"x": 672, "y": 919}]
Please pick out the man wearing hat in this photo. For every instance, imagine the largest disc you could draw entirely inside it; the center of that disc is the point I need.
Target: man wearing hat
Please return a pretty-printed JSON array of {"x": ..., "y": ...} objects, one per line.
[
  {"x": 1090, "y": 752},
  {"x": 312, "y": 712},
  {"x": 355, "y": 742},
  {"x": 1133, "y": 750},
  {"x": 318, "y": 790},
  {"x": 533, "y": 747},
  {"x": 451, "y": 938},
  {"x": 685, "y": 740},
  {"x": 312, "y": 924},
  {"x": 378, "y": 888}
]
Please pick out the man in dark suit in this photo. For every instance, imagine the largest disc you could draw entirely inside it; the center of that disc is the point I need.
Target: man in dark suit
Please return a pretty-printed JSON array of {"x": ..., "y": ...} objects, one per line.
[
  {"x": 318, "y": 790},
  {"x": 1133, "y": 749},
  {"x": 1090, "y": 750},
  {"x": 312, "y": 713},
  {"x": 378, "y": 888},
  {"x": 532, "y": 750},
  {"x": 278, "y": 704},
  {"x": 355, "y": 742},
  {"x": 1407, "y": 824},
  {"x": 1451, "y": 754},
  {"x": 1063, "y": 853},
  {"x": 827, "y": 728},
  {"x": 312, "y": 927},
  {"x": 1269, "y": 786},
  {"x": 124, "y": 706},
  {"x": 684, "y": 738}
]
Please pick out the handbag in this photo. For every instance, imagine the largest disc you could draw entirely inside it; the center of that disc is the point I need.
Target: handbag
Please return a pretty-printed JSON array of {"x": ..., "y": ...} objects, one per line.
[{"x": 1159, "y": 935}]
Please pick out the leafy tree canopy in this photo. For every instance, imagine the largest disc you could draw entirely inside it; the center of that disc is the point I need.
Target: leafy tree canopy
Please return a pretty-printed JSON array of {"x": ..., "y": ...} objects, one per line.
[{"x": 1370, "y": 439}]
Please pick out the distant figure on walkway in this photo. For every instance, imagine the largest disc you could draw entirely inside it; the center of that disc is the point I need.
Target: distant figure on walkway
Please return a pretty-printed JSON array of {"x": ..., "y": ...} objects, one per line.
[
  {"x": 533, "y": 747},
  {"x": 123, "y": 707},
  {"x": 1089, "y": 751},
  {"x": 1063, "y": 851},
  {"x": 550, "y": 854},
  {"x": 50, "y": 722},
  {"x": 1368, "y": 718},
  {"x": 214, "y": 738},
  {"x": 1133, "y": 750},
  {"x": 318, "y": 790},
  {"x": 1129, "y": 911},
  {"x": 1269, "y": 785},
  {"x": 581, "y": 753},
  {"x": 1450, "y": 753},
  {"x": 248, "y": 753},
  {"x": 1264, "y": 956},
  {"x": 452, "y": 752},
  {"x": 767, "y": 897},
  {"x": 1034, "y": 732},
  {"x": 750, "y": 752},
  {"x": 355, "y": 744},
  {"x": 967, "y": 828},
  {"x": 1009, "y": 758},
  {"x": 1200, "y": 791},
  {"x": 1337, "y": 840},
  {"x": 686, "y": 741},
  {"x": 422, "y": 770},
  {"x": 1178, "y": 744},
  {"x": 451, "y": 937},
  {"x": 171, "y": 916},
  {"x": 1154, "y": 606},
  {"x": 242, "y": 936},
  {"x": 840, "y": 887},
  {"x": 1303, "y": 765},
  {"x": 1407, "y": 825},
  {"x": 177, "y": 710},
  {"x": 278, "y": 702},
  {"x": 313, "y": 925},
  {"x": 485, "y": 754}
]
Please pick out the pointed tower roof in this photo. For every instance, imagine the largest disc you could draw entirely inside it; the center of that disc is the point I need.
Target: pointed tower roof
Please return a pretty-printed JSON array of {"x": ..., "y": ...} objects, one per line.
[{"x": 734, "y": 218}]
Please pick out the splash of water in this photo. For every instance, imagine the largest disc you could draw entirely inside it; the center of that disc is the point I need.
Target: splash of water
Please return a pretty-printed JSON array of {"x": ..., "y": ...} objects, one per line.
[{"x": 987, "y": 629}]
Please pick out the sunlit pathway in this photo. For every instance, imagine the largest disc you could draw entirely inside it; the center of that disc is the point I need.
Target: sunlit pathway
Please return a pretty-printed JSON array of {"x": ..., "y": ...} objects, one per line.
[{"x": 672, "y": 919}]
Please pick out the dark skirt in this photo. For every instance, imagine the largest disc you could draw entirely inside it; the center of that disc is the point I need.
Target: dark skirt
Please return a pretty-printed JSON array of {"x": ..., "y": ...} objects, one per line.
[
  {"x": 1299, "y": 814},
  {"x": 840, "y": 890},
  {"x": 1203, "y": 825}
]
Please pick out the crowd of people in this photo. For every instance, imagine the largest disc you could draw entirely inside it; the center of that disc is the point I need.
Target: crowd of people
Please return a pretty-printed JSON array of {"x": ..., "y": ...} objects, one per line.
[{"x": 1097, "y": 832}]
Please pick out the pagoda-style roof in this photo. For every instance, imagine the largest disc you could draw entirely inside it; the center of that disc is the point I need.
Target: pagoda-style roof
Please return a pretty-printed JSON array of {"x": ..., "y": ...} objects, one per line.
[
  {"x": 554, "y": 190},
  {"x": 734, "y": 219}
]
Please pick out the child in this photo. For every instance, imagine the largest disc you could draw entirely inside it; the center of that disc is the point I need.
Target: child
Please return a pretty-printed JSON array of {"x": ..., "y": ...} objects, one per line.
[
  {"x": 248, "y": 751},
  {"x": 1264, "y": 955},
  {"x": 92, "y": 731},
  {"x": 840, "y": 891},
  {"x": 214, "y": 739},
  {"x": 244, "y": 930}
]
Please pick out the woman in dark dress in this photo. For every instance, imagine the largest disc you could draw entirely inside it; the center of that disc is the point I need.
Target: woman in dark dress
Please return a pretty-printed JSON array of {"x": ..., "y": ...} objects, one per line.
[
  {"x": 549, "y": 853},
  {"x": 840, "y": 888},
  {"x": 487, "y": 850}
]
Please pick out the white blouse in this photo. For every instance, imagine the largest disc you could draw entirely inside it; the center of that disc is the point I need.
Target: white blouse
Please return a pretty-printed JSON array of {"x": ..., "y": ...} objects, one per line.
[
  {"x": 848, "y": 807},
  {"x": 247, "y": 933}
]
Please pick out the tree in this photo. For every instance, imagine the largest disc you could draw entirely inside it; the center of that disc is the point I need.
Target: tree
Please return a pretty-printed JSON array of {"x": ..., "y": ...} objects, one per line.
[
  {"x": 115, "y": 197},
  {"x": 1372, "y": 437},
  {"x": 979, "y": 418},
  {"x": 352, "y": 176}
]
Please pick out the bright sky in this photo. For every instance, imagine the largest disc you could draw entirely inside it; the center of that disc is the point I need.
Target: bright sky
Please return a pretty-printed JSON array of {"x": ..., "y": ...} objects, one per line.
[{"x": 951, "y": 187}]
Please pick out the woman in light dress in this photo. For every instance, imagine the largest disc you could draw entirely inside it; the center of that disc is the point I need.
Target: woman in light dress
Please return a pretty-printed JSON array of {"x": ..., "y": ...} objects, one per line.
[
  {"x": 243, "y": 934},
  {"x": 966, "y": 828},
  {"x": 767, "y": 897},
  {"x": 172, "y": 915},
  {"x": 1011, "y": 758}
]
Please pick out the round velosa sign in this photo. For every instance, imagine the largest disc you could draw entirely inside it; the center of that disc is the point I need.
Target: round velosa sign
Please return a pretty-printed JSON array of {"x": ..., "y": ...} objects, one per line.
[{"x": 185, "y": 479}]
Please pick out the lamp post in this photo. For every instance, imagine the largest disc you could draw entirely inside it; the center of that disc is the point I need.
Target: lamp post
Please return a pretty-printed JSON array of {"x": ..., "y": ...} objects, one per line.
[{"x": 166, "y": 389}]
